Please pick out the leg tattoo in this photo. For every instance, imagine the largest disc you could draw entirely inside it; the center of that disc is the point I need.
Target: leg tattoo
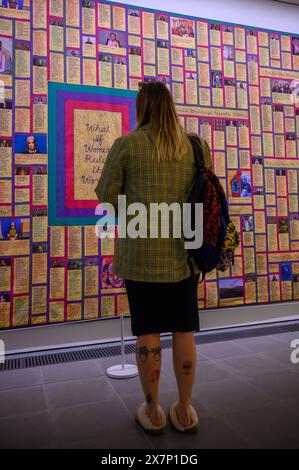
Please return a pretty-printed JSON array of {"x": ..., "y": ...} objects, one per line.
[
  {"x": 155, "y": 374},
  {"x": 157, "y": 353},
  {"x": 143, "y": 352},
  {"x": 148, "y": 399}
]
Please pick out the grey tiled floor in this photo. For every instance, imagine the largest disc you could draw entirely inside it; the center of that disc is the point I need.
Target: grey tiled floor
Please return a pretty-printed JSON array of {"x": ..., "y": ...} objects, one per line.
[{"x": 246, "y": 393}]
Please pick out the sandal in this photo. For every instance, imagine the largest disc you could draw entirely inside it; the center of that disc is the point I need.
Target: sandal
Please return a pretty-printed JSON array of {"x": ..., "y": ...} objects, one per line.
[
  {"x": 173, "y": 418},
  {"x": 144, "y": 421}
]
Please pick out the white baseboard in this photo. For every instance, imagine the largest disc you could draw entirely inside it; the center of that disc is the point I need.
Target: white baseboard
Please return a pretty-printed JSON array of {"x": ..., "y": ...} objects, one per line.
[{"x": 248, "y": 315}]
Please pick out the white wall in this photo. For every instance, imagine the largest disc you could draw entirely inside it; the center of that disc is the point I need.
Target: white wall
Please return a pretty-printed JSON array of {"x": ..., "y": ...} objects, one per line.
[{"x": 267, "y": 14}]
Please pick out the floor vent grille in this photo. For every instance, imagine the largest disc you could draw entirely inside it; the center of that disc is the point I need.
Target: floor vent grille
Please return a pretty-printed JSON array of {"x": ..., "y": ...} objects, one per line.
[{"x": 44, "y": 358}]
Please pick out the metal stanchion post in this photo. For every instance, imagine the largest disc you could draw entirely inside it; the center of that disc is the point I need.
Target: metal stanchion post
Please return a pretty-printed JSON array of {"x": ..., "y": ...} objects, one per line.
[{"x": 122, "y": 371}]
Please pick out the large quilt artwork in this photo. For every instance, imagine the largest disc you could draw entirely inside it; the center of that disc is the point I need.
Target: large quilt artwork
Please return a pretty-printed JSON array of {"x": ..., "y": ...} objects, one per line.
[{"x": 69, "y": 73}]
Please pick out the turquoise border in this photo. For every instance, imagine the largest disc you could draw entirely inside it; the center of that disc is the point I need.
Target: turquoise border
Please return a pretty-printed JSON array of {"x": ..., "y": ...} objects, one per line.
[
  {"x": 53, "y": 87},
  {"x": 173, "y": 13}
]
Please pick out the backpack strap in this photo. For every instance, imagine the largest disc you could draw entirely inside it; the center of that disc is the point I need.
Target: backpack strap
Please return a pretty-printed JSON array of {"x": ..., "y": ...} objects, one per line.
[
  {"x": 199, "y": 163},
  {"x": 190, "y": 265},
  {"x": 222, "y": 197},
  {"x": 203, "y": 274}
]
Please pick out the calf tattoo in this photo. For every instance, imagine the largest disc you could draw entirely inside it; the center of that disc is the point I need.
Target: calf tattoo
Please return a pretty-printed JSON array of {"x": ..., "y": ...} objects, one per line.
[
  {"x": 157, "y": 353},
  {"x": 144, "y": 352},
  {"x": 155, "y": 374},
  {"x": 187, "y": 366},
  {"x": 148, "y": 399}
]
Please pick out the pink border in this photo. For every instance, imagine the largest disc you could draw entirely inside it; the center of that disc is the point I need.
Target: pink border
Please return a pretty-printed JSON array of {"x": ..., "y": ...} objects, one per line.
[{"x": 70, "y": 106}]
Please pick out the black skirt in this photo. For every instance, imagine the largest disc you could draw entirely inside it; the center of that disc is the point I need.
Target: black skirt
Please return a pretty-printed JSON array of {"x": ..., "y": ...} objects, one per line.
[{"x": 163, "y": 307}]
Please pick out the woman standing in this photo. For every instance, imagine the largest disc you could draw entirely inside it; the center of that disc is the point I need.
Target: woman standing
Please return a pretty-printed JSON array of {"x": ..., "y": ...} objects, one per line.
[{"x": 155, "y": 164}]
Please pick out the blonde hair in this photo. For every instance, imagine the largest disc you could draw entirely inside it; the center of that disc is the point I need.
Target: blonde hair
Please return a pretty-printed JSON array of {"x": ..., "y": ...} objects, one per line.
[{"x": 155, "y": 107}]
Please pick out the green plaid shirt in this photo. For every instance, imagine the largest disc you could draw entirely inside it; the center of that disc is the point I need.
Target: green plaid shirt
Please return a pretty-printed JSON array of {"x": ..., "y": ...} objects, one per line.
[{"x": 130, "y": 170}]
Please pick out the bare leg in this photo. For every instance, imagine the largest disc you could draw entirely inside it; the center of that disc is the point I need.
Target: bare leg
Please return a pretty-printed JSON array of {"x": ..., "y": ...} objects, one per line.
[
  {"x": 184, "y": 363},
  {"x": 148, "y": 357}
]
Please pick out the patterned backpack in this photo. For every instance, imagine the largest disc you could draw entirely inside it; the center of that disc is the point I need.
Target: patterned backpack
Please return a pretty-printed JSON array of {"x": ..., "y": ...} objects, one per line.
[{"x": 220, "y": 237}]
